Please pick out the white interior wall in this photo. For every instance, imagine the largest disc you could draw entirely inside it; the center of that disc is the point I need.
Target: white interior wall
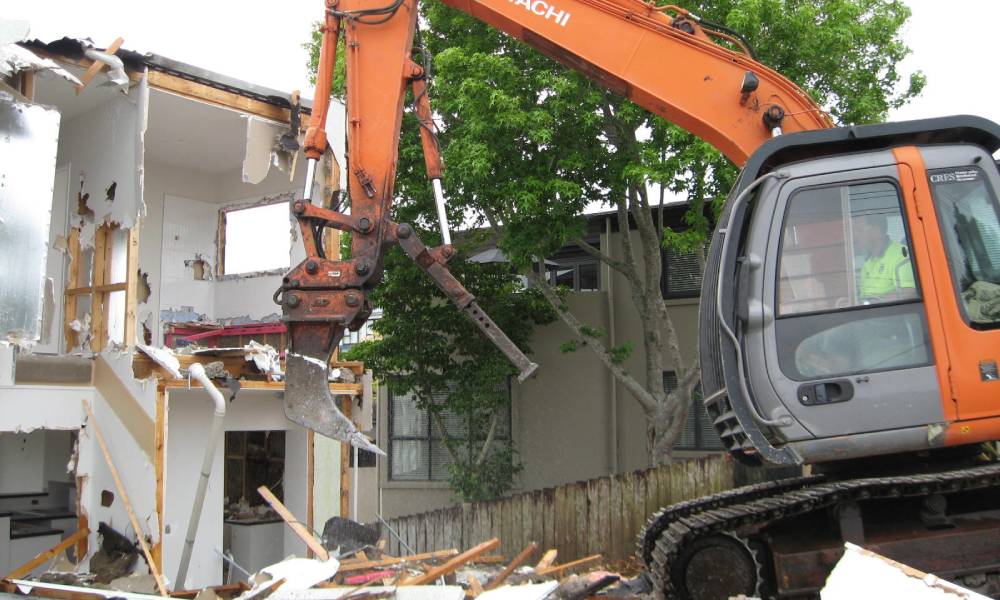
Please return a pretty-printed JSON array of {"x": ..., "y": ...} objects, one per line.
[
  {"x": 189, "y": 231},
  {"x": 189, "y": 422},
  {"x": 22, "y": 462},
  {"x": 163, "y": 180}
]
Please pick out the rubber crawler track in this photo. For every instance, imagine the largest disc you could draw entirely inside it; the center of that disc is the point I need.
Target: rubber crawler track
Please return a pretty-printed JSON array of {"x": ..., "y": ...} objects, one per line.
[
  {"x": 724, "y": 518},
  {"x": 658, "y": 523}
]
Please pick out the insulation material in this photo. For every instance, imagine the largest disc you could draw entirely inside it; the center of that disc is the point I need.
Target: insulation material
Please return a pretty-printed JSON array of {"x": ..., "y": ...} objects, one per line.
[
  {"x": 264, "y": 357},
  {"x": 298, "y": 573},
  {"x": 27, "y": 168},
  {"x": 861, "y": 573}
]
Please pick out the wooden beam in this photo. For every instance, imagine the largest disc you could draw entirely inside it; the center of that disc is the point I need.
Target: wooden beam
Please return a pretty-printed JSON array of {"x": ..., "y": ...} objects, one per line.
[
  {"x": 547, "y": 559},
  {"x": 49, "y": 554},
  {"x": 294, "y": 523},
  {"x": 211, "y": 95},
  {"x": 388, "y": 562},
  {"x": 97, "y": 66},
  {"x": 109, "y": 287},
  {"x": 131, "y": 285},
  {"x": 453, "y": 564},
  {"x": 92, "y": 422},
  {"x": 570, "y": 565},
  {"x": 160, "y": 442},
  {"x": 520, "y": 558}
]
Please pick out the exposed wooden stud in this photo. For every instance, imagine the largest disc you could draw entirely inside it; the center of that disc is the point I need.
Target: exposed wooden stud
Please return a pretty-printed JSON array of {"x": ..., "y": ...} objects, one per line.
[
  {"x": 97, "y": 66},
  {"x": 160, "y": 466},
  {"x": 92, "y": 422},
  {"x": 99, "y": 271},
  {"x": 131, "y": 285},
  {"x": 49, "y": 554},
  {"x": 294, "y": 523}
]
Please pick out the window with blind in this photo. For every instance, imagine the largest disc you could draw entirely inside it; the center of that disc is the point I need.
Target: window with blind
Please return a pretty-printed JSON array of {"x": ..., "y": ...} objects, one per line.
[
  {"x": 698, "y": 434},
  {"x": 681, "y": 273},
  {"x": 417, "y": 450}
]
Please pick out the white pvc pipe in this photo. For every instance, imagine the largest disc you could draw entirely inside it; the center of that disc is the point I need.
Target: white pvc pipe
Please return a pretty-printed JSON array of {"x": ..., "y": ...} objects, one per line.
[{"x": 197, "y": 371}]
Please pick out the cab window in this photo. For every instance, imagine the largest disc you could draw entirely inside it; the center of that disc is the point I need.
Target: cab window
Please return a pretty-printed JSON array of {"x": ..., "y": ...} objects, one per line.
[
  {"x": 847, "y": 293},
  {"x": 967, "y": 212}
]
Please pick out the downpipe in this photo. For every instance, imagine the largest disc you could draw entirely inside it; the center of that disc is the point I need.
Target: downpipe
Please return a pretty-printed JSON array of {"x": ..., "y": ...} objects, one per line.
[{"x": 197, "y": 371}]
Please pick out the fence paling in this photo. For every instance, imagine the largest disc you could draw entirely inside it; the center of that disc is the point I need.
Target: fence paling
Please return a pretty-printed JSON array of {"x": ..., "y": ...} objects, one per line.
[{"x": 600, "y": 516}]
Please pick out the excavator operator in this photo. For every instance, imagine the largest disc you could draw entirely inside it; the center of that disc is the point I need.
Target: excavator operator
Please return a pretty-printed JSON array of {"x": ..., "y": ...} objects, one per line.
[{"x": 887, "y": 272}]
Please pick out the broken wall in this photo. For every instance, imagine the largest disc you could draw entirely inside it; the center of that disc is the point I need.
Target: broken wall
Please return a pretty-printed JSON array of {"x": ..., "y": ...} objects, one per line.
[{"x": 102, "y": 151}]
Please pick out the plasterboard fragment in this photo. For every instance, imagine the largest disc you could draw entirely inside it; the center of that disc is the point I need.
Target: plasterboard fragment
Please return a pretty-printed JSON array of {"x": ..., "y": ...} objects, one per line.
[
  {"x": 862, "y": 573},
  {"x": 260, "y": 143}
]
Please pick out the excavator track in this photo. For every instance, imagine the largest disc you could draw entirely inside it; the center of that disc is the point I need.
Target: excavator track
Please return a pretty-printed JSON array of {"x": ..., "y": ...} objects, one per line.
[
  {"x": 661, "y": 519},
  {"x": 724, "y": 519}
]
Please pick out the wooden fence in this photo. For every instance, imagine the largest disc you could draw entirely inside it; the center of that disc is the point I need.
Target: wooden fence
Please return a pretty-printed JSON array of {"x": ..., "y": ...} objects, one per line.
[{"x": 600, "y": 516}]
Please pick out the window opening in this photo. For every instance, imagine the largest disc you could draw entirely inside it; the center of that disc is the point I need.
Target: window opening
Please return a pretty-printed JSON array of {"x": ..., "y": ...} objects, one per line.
[{"x": 255, "y": 238}]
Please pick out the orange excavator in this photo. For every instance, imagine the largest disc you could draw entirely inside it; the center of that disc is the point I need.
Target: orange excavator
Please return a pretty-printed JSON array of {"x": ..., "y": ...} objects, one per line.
[{"x": 850, "y": 310}]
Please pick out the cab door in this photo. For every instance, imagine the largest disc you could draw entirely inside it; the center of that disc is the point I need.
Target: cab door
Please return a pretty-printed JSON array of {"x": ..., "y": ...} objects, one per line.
[{"x": 848, "y": 349}]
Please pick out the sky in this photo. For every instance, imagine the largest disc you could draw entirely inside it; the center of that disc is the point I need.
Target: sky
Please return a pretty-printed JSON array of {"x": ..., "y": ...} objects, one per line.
[{"x": 262, "y": 42}]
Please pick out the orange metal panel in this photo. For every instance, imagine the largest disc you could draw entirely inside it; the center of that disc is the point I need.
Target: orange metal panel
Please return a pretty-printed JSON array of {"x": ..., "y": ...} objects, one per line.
[
  {"x": 917, "y": 204},
  {"x": 966, "y": 347}
]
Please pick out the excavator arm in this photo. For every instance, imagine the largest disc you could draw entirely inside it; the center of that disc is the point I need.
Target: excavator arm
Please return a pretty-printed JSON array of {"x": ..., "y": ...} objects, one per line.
[{"x": 662, "y": 58}]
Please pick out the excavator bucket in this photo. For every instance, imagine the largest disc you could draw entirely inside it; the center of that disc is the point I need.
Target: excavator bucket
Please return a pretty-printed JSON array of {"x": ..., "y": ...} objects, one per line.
[{"x": 308, "y": 400}]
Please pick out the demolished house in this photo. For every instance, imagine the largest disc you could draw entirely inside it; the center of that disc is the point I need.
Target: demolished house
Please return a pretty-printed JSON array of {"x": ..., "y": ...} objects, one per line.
[{"x": 145, "y": 205}]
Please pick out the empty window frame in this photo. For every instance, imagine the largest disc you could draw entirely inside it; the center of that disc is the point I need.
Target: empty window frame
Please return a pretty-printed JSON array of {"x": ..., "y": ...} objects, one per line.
[{"x": 255, "y": 238}]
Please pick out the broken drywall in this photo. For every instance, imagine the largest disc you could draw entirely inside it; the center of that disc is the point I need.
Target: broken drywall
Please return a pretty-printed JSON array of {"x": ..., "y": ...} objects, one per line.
[
  {"x": 104, "y": 147},
  {"x": 260, "y": 151},
  {"x": 27, "y": 168}
]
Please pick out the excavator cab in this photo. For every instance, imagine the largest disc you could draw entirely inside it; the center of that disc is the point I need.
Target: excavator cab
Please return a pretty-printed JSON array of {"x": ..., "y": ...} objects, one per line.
[{"x": 851, "y": 304}]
